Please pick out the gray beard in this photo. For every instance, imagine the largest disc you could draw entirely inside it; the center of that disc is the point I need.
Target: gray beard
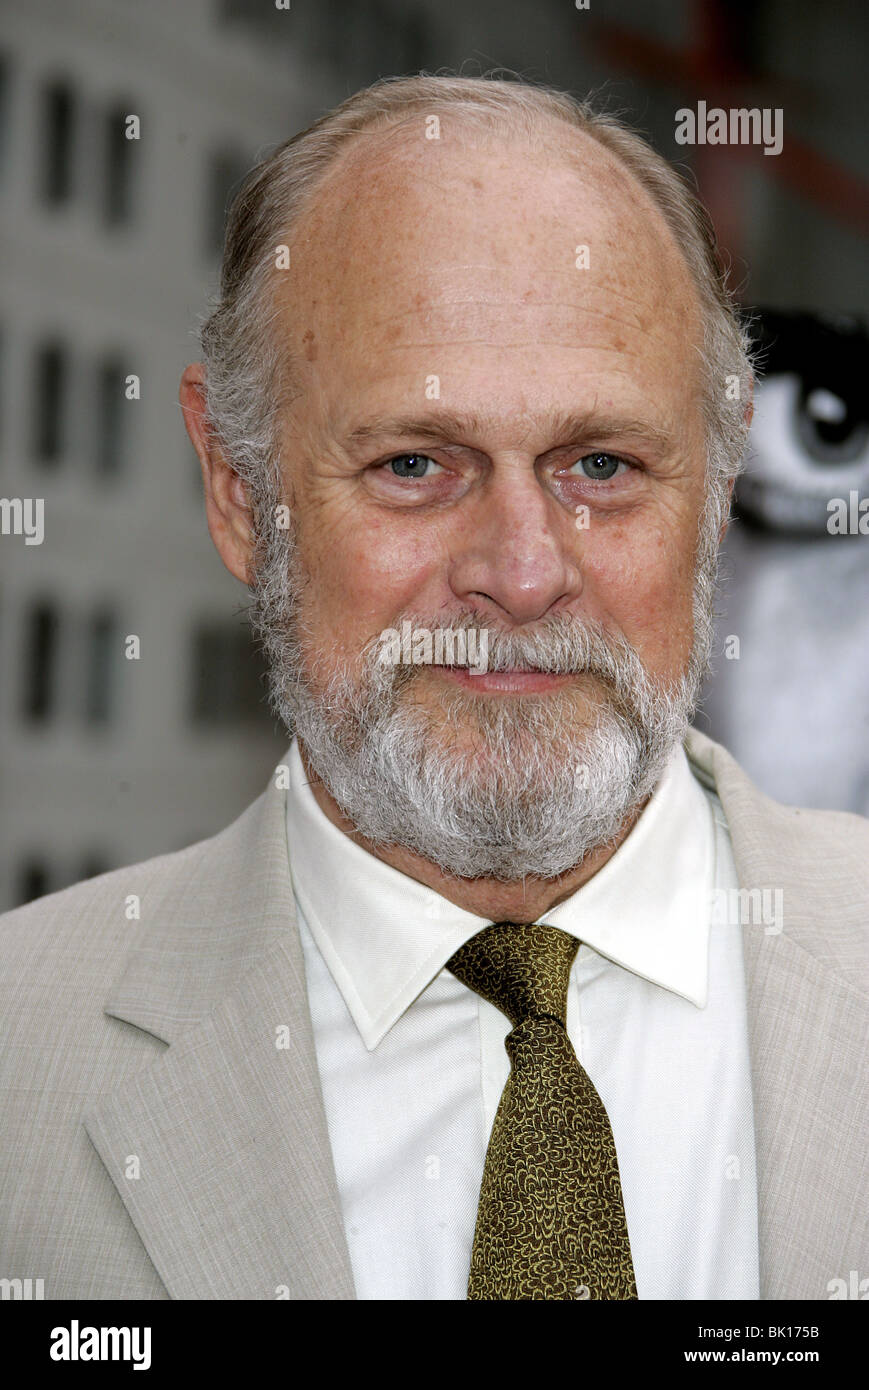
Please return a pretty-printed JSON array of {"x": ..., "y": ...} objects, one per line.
[{"x": 492, "y": 787}]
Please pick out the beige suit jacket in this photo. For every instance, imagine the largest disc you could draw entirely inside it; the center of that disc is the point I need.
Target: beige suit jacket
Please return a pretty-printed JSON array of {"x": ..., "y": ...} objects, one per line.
[{"x": 155, "y": 1141}]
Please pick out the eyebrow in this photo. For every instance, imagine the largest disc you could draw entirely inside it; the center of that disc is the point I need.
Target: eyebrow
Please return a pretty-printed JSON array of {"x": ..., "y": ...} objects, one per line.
[{"x": 450, "y": 428}]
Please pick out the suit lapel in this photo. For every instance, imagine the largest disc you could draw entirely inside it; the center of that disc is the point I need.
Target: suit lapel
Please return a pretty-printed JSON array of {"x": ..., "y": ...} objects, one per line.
[
  {"x": 236, "y": 1196},
  {"x": 807, "y": 1032}
]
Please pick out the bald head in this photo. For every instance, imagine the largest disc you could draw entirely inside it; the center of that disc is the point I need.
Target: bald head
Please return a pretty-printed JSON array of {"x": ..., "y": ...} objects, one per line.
[
  {"x": 421, "y": 121},
  {"x": 418, "y": 258}
]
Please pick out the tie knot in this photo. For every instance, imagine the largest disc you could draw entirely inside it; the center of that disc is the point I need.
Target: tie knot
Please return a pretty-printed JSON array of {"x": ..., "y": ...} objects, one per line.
[{"x": 522, "y": 968}]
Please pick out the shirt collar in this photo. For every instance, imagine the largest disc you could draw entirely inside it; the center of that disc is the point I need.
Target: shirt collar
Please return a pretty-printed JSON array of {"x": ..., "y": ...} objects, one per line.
[{"x": 384, "y": 936}]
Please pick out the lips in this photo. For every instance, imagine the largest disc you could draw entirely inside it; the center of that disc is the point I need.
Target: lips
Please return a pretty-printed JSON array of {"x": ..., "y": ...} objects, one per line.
[{"x": 503, "y": 682}]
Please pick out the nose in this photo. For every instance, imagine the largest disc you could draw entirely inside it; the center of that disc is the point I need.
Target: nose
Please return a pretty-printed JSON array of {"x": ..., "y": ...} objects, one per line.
[{"x": 518, "y": 556}]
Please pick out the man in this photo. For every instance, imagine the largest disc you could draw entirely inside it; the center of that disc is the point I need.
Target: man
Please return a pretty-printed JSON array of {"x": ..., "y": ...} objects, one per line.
[{"x": 474, "y": 1001}]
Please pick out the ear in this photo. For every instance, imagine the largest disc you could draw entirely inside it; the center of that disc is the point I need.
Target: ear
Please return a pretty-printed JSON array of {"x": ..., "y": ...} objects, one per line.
[{"x": 226, "y": 506}]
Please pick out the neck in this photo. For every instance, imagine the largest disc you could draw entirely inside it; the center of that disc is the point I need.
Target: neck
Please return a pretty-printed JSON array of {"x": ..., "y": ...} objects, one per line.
[{"x": 522, "y": 901}]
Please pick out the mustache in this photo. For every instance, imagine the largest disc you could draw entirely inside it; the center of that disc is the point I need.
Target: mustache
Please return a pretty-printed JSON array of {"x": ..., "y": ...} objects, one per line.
[{"x": 559, "y": 644}]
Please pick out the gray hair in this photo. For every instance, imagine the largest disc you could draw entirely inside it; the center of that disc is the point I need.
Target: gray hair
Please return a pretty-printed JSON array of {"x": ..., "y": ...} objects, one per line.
[{"x": 250, "y": 377}]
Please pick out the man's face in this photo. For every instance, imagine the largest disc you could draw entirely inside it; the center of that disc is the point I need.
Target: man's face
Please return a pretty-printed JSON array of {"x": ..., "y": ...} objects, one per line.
[
  {"x": 474, "y": 384},
  {"x": 441, "y": 261}
]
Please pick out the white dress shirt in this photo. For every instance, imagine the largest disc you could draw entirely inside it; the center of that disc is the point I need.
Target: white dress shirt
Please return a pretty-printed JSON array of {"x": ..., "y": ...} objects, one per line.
[{"x": 412, "y": 1062}]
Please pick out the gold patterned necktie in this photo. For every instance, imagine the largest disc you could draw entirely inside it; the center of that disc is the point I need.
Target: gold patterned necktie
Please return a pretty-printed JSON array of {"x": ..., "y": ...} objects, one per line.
[{"x": 550, "y": 1220}]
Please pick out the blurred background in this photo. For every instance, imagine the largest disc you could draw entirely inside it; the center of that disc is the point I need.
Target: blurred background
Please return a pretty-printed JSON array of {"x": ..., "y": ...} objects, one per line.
[{"x": 110, "y": 249}]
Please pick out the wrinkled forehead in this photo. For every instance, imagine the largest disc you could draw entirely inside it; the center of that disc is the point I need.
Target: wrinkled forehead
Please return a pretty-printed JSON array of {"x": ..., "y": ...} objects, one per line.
[{"x": 479, "y": 238}]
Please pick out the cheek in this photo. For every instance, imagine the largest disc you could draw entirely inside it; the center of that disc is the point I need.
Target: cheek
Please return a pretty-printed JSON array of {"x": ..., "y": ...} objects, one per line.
[
  {"x": 642, "y": 580},
  {"x": 363, "y": 573}
]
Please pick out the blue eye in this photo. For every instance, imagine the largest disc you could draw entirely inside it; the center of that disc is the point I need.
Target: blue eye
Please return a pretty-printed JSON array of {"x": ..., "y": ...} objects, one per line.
[
  {"x": 601, "y": 467},
  {"x": 412, "y": 465}
]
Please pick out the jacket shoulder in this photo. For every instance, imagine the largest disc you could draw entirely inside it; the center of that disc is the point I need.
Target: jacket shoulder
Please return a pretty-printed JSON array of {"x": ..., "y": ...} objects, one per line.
[
  {"x": 802, "y": 825},
  {"x": 818, "y": 859},
  {"x": 96, "y": 918}
]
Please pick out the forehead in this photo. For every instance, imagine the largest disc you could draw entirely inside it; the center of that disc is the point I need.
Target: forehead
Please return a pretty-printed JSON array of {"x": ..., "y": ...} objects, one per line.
[{"x": 544, "y": 256}]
